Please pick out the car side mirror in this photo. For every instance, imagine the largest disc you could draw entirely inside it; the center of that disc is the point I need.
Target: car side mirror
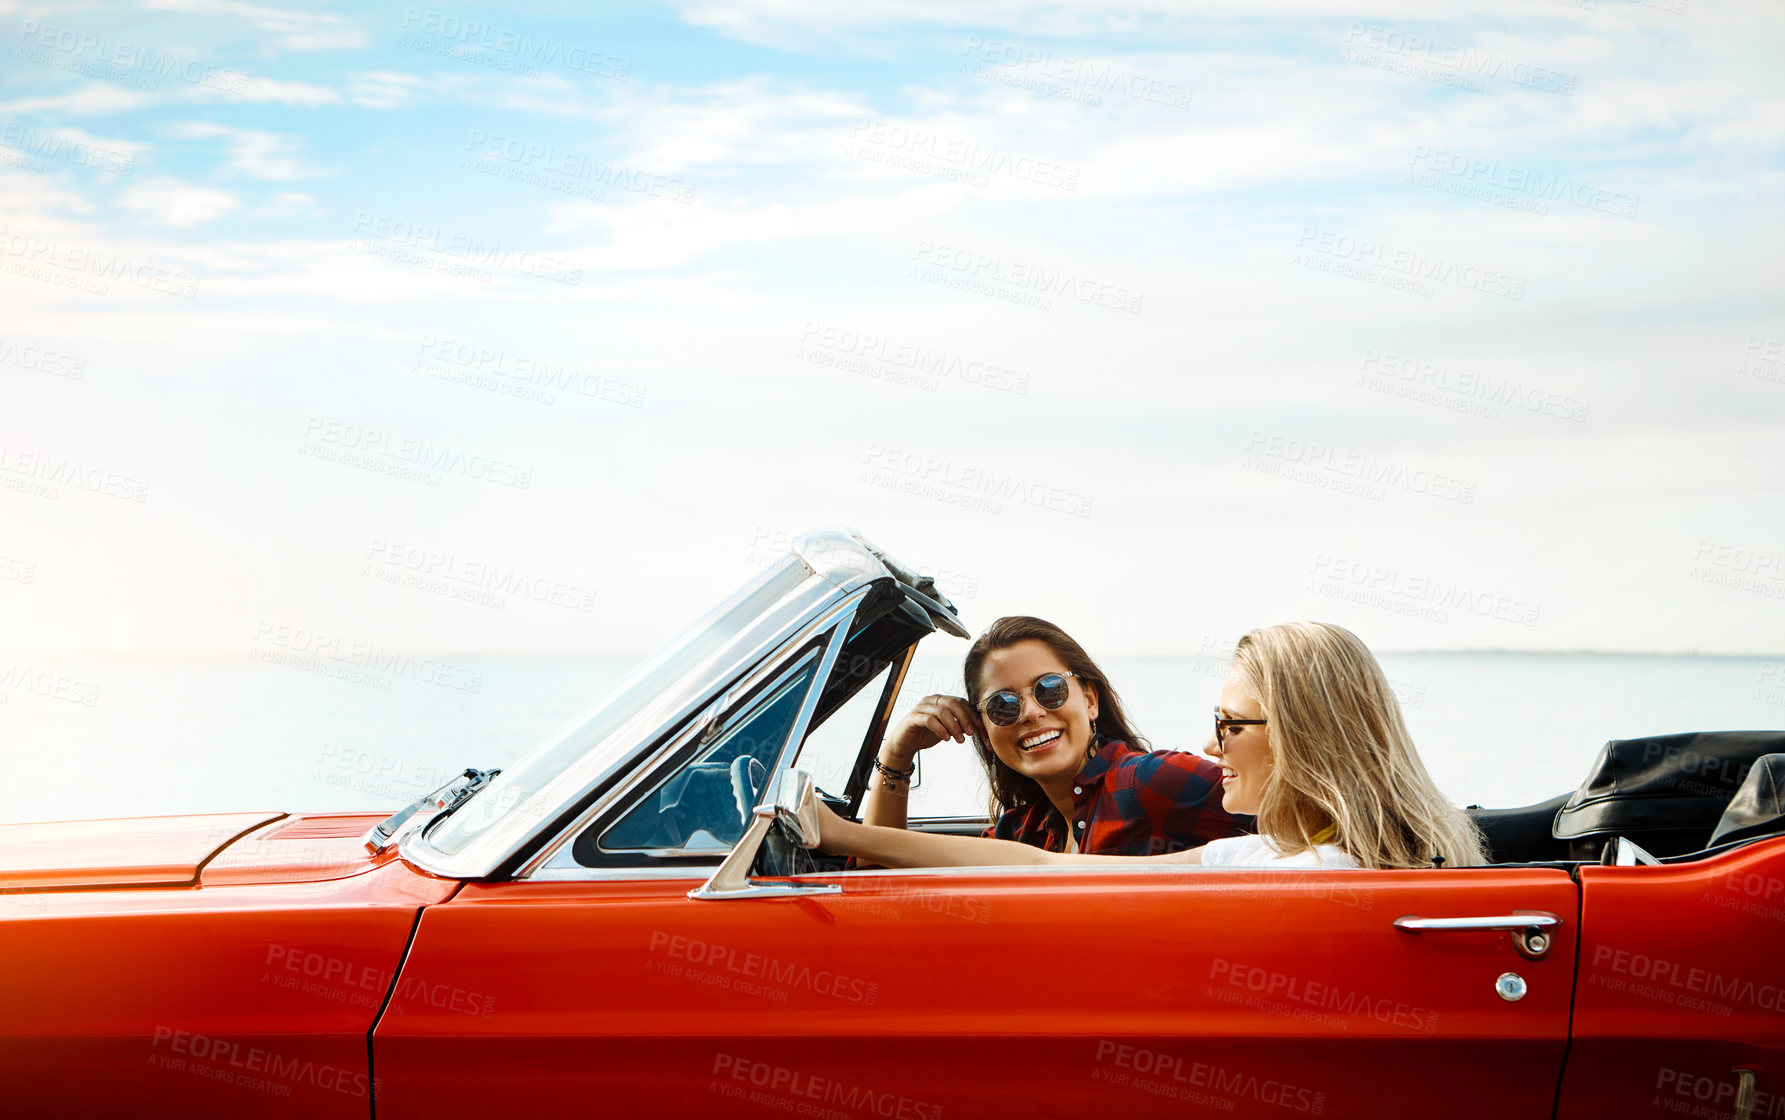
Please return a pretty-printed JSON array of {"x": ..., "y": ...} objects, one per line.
[
  {"x": 797, "y": 807},
  {"x": 794, "y": 812}
]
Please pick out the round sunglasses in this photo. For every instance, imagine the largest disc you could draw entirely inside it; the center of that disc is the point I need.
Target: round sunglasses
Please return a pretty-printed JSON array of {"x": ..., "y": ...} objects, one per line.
[{"x": 1005, "y": 706}]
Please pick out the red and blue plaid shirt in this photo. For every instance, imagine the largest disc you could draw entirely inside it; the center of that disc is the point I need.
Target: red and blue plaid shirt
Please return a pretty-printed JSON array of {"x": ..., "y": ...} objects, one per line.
[{"x": 1127, "y": 802}]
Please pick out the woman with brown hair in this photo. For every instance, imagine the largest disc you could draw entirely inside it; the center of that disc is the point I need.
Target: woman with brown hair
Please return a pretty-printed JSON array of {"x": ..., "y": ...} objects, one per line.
[
  {"x": 1309, "y": 738},
  {"x": 1067, "y": 772}
]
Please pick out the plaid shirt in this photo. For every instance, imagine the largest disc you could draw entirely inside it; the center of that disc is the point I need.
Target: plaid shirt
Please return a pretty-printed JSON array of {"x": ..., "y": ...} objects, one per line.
[{"x": 1127, "y": 802}]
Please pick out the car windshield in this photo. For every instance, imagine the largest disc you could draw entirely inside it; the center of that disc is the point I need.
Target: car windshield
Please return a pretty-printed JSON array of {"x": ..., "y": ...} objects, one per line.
[{"x": 640, "y": 698}]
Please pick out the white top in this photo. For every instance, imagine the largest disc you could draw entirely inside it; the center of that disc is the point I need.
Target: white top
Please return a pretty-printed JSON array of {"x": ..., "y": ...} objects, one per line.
[{"x": 1257, "y": 851}]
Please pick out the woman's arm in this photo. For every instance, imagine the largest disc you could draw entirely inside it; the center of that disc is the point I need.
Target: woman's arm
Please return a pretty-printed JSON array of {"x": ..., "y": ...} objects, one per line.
[
  {"x": 930, "y": 721},
  {"x": 897, "y": 847}
]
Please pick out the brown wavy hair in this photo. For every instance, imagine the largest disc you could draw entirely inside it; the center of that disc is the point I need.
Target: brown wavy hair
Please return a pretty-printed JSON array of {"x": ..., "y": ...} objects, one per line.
[{"x": 1010, "y": 790}]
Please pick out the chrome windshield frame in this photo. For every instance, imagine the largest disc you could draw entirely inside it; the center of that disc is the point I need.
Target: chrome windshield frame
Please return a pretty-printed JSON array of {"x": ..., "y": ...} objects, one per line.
[
  {"x": 557, "y": 856},
  {"x": 840, "y": 566}
]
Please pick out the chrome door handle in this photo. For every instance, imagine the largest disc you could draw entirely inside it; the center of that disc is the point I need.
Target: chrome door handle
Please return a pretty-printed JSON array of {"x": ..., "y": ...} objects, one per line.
[
  {"x": 1531, "y": 934},
  {"x": 1508, "y": 921}
]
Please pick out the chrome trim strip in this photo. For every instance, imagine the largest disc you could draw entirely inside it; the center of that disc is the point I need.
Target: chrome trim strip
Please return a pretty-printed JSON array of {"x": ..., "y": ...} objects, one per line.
[{"x": 620, "y": 874}]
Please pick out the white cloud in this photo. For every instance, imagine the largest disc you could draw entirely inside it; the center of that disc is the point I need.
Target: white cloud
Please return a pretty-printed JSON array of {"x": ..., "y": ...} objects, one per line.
[
  {"x": 282, "y": 93},
  {"x": 387, "y": 89},
  {"x": 298, "y": 31},
  {"x": 732, "y": 124},
  {"x": 264, "y": 155},
  {"x": 289, "y": 204},
  {"x": 170, "y": 202},
  {"x": 96, "y": 99}
]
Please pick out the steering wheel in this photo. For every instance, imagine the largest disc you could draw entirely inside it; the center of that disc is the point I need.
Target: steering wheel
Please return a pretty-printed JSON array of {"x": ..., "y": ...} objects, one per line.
[{"x": 747, "y": 778}]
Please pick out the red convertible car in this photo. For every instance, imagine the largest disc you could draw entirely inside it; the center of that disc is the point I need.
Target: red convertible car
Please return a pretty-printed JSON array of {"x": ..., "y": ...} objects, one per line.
[{"x": 628, "y": 923}]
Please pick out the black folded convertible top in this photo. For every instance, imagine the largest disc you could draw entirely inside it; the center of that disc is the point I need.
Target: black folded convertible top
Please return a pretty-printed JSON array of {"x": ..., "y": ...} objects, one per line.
[{"x": 1665, "y": 792}]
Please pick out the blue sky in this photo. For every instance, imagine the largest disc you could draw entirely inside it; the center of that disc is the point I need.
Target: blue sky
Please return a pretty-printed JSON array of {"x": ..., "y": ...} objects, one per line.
[{"x": 534, "y": 329}]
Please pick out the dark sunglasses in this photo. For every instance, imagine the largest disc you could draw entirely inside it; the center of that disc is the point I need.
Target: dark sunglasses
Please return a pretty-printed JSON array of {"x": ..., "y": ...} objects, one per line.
[
  {"x": 1222, "y": 723},
  {"x": 1006, "y": 707}
]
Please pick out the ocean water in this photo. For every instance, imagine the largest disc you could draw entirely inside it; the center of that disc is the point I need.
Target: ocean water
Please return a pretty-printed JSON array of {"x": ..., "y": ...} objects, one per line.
[{"x": 107, "y": 738}]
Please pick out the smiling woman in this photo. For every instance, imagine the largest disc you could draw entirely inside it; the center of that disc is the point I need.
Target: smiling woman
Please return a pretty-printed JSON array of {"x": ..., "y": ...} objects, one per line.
[
  {"x": 1067, "y": 772},
  {"x": 1309, "y": 738}
]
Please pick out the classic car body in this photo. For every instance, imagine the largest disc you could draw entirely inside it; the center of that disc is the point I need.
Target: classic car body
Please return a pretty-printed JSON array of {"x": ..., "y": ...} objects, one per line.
[{"x": 624, "y": 924}]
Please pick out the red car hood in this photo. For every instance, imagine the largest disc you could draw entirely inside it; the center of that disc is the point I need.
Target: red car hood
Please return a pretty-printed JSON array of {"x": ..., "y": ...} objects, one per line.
[{"x": 210, "y": 850}]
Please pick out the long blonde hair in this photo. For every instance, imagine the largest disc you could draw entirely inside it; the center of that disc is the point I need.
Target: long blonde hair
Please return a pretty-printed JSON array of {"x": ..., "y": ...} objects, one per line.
[{"x": 1343, "y": 757}]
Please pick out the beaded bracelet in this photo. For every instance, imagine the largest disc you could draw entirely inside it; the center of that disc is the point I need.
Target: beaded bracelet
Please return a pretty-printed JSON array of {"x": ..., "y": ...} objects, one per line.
[{"x": 892, "y": 775}]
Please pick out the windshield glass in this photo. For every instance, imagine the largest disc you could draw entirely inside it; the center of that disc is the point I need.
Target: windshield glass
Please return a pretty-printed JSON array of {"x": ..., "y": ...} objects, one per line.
[{"x": 634, "y": 699}]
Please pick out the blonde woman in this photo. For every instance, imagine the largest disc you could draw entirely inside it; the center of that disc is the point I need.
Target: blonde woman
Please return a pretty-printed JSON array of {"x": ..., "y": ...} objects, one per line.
[{"x": 1309, "y": 738}]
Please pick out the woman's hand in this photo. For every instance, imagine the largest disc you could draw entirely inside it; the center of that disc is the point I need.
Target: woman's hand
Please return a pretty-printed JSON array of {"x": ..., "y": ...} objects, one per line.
[{"x": 931, "y": 720}]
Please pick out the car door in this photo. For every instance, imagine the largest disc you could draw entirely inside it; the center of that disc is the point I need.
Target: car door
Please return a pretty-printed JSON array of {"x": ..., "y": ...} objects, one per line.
[
  {"x": 965, "y": 992},
  {"x": 1681, "y": 1007}
]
